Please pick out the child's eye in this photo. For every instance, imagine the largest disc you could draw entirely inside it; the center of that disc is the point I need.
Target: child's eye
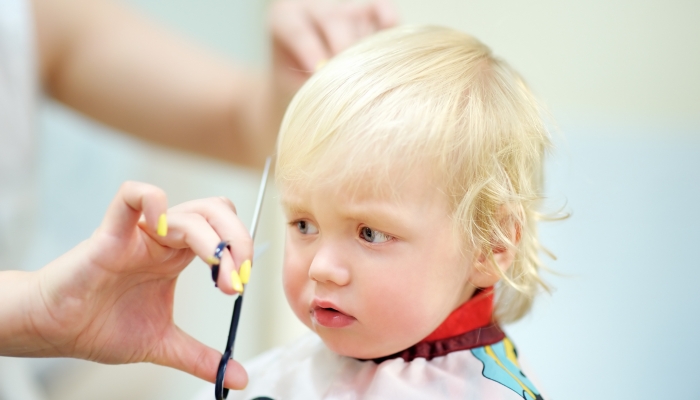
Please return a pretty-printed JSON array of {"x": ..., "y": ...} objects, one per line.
[
  {"x": 370, "y": 235},
  {"x": 306, "y": 228}
]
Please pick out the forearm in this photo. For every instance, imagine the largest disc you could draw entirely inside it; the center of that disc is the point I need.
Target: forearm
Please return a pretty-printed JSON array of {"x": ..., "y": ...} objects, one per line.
[{"x": 107, "y": 62}]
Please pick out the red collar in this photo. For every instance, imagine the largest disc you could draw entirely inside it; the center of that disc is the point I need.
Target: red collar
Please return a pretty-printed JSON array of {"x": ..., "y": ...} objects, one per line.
[
  {"x": 471, "y": 325},
  {"x": 476, "y": 312}
]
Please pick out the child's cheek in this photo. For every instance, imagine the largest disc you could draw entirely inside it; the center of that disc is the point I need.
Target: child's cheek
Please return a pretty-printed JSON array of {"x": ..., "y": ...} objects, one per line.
[
  {"x": 421, "y": 306},
  {"x": 295, "y": 278}
]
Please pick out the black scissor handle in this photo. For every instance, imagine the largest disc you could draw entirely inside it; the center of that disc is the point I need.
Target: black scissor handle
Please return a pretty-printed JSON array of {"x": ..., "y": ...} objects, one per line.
[{"x": 220, "y": 392}]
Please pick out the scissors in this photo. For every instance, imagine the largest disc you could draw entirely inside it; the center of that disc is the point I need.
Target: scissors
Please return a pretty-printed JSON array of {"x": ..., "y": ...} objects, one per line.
[{"x": 220, "y": 392}]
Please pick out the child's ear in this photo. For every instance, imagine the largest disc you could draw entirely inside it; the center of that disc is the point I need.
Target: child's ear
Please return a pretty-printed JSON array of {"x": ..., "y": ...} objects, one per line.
[{"x": 485, "y": 269}]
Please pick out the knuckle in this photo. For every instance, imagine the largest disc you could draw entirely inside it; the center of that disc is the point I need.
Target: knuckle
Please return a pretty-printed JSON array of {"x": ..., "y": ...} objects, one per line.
[
  {"x": 294, "y": 32},
  {"x": 350, "y": 10},
  {"x": 246, "y": 246},
  {"x": 227, "y": 203},
  {"x": 153, "y": 192},
  {"x": 326, "y": 15},
  {"x": 126, "y": 186},
  {"x": 279, "y": 13}
]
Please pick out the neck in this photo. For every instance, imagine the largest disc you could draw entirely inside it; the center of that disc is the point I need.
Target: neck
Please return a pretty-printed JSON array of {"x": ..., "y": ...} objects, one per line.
[{"x": 469, "y": 326}]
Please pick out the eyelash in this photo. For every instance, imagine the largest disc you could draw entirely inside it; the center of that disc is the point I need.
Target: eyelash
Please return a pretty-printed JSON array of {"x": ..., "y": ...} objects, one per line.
[
  {"x": 297, "y": 223},
  {"x": 364, "y": 229}
]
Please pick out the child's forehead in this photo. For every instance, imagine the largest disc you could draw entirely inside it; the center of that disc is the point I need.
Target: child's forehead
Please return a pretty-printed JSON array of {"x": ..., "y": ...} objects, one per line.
[
  {"x": 299, "y": 193},
  {"x": 362, "y": 190}
]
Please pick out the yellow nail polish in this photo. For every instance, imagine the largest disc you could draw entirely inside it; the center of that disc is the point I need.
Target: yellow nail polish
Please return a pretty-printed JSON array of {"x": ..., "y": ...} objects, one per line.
[
  {"x": 212, "y": 260},
  {"x": 321, "y": 64},
  {"x": 244, "y": 272},
  {"x": 162, "y": 229},
  {"x": 236, "y": 282}
]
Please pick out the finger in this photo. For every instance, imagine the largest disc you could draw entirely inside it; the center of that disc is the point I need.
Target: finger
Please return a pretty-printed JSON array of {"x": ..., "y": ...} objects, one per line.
[
  {"x": 219, "y": 215},
  {"x": 366, "y": 22},
  {"x": 385, "y": 14},
  {"x": 295, "y": 35},
  {"x": 219, "y": 212},
  {"x": 190, "y": 206},
  {"x": 339, "y": 25},
  {"x": 181, "y": 351},
  {"x": 188, "y": 230},
  {"x": 132, "y": 200}
]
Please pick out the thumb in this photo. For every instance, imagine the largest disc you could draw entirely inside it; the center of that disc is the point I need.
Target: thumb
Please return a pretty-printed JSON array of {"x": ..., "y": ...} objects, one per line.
[
  {"x": 182, "y": 351},
  {"x": 133, "y": 199}
]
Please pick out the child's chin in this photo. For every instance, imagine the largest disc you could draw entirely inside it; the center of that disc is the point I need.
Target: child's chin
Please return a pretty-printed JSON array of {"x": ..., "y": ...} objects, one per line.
[{"x": 353, "y": 347}]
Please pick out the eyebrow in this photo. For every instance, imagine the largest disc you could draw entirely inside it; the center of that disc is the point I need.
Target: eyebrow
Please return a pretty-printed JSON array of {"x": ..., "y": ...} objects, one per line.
[
  {"x": 292, "y": 206},
  {"x": 381, "y": 215}
]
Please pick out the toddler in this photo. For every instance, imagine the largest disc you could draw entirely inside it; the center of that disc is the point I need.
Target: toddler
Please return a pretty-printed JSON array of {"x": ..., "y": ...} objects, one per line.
[{"x": 410, "y": 171}]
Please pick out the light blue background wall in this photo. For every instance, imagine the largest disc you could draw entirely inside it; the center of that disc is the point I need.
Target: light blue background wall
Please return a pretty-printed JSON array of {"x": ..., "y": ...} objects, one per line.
[{"x": 623, "y": 320}]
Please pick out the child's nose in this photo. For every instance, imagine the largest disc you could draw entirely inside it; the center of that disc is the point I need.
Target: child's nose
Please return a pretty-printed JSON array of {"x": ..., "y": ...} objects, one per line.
[{"x": 328, "y": 266}]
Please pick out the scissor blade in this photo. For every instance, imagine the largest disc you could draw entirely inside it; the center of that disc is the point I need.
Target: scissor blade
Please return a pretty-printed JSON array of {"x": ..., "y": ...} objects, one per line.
[{"x": 261, "y": 196}]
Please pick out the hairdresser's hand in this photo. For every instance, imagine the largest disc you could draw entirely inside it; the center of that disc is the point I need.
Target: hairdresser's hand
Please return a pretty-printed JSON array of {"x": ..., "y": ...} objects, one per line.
[
  {"x": 307, "y": 33},
  {"x": 111, "y": 298}
]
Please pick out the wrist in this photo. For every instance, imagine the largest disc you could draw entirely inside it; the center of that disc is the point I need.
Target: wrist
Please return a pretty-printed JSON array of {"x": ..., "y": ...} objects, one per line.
[
  {"x": 40, "y": 315},
  {"x": 20, "y": 297},
  {"x": 61, "y": 295}
]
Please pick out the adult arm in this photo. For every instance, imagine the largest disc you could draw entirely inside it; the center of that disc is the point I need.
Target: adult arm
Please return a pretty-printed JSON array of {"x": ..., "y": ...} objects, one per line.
[{"x": 108, "y": 62}]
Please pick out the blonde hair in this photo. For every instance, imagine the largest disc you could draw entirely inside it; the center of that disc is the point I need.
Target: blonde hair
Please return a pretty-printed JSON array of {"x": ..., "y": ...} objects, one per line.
[{"x": 413, "y": 97}]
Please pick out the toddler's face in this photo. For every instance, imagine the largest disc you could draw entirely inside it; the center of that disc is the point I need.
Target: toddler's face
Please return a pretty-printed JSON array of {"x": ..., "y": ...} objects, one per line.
[{"x": 373, "y": 275}]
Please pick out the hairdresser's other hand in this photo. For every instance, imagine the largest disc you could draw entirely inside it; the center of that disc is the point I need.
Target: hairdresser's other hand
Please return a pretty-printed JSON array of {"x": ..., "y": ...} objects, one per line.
[
  {"x": 110, "y": 299},
  {"x": 307, "y": 33}
]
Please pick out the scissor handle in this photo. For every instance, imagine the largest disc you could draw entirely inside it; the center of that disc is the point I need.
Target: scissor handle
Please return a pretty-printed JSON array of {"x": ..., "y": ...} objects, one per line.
[{"x": 220, "y": 392}]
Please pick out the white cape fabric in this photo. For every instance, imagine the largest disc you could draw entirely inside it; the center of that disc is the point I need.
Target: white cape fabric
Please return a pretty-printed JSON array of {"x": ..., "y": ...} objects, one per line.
[{"x": 308, "y": 370}]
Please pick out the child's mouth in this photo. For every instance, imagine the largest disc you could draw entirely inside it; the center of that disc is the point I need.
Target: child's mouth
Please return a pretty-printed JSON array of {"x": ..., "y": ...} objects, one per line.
[{"x": 330, "y": 317}]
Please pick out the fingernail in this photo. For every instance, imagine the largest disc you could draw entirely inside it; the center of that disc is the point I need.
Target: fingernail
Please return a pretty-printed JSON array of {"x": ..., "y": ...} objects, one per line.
[
  {"x": 320, "y": 64},
  {"x": 211, "y": 260},
  {"x": 236, "y": 282},
  {"x": 162, "y": 229},
  {"x": 244, "y": 272}
]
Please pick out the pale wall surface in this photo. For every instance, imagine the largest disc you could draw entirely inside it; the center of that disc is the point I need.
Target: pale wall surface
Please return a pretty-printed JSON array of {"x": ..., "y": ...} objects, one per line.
[{"x": 604, "y": 59}]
